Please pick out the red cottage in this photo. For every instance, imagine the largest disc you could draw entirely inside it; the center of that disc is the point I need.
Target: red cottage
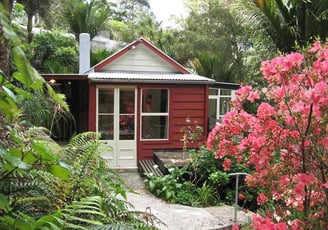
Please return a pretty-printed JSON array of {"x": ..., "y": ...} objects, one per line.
[{"x": 139, "y": 99}]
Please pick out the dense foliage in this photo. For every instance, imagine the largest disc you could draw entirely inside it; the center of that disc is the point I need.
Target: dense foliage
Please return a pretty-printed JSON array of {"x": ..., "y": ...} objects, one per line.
[
  {"x": 87, "y": 16},
  {"x": 201, "y": 183},
  {"x": 288, "y": 23},
  {"x": 53, "y": 52},
  {"x": 285, "y": 140},
  {"x": 44, "y": 185}
]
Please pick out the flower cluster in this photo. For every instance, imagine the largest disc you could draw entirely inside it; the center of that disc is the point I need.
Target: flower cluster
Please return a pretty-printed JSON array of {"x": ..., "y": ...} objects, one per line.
[{"x": 286, "y": 141}]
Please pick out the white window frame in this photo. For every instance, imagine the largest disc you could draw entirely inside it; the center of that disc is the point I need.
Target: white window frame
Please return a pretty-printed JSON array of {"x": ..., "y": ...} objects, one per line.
[{"x": 218, "y": 98}]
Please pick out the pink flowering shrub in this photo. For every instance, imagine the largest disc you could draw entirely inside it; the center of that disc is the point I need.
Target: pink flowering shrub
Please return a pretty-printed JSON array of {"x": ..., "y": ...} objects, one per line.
[{"x": 285, "y": 142}]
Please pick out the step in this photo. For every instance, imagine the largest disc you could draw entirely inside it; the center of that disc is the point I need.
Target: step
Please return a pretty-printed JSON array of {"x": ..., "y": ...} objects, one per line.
[{"x": 150, "y": 167}]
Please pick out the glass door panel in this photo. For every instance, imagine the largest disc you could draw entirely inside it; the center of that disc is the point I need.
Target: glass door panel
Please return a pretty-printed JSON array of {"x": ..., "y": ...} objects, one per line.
[
  {"x": 106, "y": 127},
  {"x": 106, "y": 113},
  {"x": 127, "y": 114}
]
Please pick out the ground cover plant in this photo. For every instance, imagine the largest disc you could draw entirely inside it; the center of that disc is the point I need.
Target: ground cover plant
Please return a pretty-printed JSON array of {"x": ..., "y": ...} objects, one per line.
[
  {"x": 284, "y": 140},
  {"x": 201, "y": 183}
]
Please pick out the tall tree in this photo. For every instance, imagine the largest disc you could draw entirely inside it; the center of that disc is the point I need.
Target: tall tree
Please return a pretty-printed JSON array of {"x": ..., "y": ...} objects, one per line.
[
  {"x": 211, "y": 34},
  {"x": 87, "y": 16},
  {"x": 287, "y": 22},
  {"x": 131, "y": 10},
  {"x": 134, "y": 19},
  {"x": 32, "y": 8},
  {"x": 5, "y": 11}
]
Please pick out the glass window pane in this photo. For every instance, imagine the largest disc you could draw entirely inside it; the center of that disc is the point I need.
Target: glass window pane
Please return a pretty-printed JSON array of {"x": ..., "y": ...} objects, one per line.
[
  {"x": 213, "y": 92},
  {"x": 155, "y": 101},
  {"x": 154, "y": 127},
  {"x": 127, "y": 101},
  {"x": 105, "y": 127},
  {"x": 224, "y": 105},
  {"x": 106, "y": 101},
  {"x": 225, "y": 92},
  {"x": 212, "y": 110}
]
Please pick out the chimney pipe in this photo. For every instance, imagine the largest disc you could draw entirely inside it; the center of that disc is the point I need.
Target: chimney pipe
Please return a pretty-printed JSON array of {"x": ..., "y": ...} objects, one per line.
[{"x": 84, "y": 59}]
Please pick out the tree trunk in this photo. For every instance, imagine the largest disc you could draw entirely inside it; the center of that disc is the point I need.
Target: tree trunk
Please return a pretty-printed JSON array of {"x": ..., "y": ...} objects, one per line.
[
  {"x": 4, "y": 53},
  {"x": 4, "y": 44},
  {"x": 29, "y": 28}
]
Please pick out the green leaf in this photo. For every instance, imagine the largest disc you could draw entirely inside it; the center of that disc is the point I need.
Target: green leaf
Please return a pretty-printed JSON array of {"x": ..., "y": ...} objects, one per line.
[
  {"x": 88, "y": 211},
  {"x": 27, "y": 74},
  {"x": 94, "y": 222},
  {"x": 67, "y": 166},
  {"x": 59, "y": 171},
  {"x": 16, "y": 137},
  {"x": 9, "y": 93},
  {"x": 7, "y": 105},
  {"x": 151, "y": 185},
  {"x": 168, "y": 194},
  {"x": 29, "y": 158},
  {"x": 44, "y": 152},
  {"x": 52, "y": 221},
  {"x": 24, "y": 93},
  {"x": 59, "y": 98},
  {"x": 14, "y": 161},
  {"x": 4, "y": 202},
  {"x": 22, "y": 225},
  {"x": 16, "y": 152}
]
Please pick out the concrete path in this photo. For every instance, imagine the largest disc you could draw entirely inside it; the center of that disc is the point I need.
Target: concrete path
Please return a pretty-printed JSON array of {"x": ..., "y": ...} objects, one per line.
[{"x": 179, "y": 217}]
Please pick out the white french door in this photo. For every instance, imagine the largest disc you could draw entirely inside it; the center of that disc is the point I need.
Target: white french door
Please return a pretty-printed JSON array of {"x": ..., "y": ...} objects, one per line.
[{"x": 116, "y": 121}]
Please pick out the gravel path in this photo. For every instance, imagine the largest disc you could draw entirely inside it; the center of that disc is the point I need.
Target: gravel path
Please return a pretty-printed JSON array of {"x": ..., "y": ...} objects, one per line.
[{"x": 179, "y": 217}]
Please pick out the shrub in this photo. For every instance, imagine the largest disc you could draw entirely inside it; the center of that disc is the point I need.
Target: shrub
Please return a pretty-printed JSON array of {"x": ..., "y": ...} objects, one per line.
[
  {"x": 285, "y": 141},
  {"x": 53, "y": 52}
]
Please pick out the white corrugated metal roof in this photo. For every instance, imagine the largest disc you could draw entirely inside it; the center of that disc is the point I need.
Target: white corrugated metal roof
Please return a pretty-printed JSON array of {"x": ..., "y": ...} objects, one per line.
[{"x": 149, "y": 77}]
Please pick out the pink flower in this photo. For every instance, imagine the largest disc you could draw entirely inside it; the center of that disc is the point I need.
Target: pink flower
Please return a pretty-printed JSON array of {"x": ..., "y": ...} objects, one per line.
[
  {"x": 325, "y": 185},
  {"x": 265, "y": 223},
  {"x": 306, "y": 179},
  {"x": 226, "y": 164},
  {"x": 265, "y": 110},
  {"x": 241, "y": 196},
  {"x": 243, "y": 91},
  {"x": 315, "y": 47},
  {"x": 262, "y": 199},
  {"x": 235, "y": 227},
  {"x": 253, "y": 96}
]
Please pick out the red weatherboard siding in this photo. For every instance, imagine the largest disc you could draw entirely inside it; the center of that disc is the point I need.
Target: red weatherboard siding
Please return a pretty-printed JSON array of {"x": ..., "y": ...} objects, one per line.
[
  {"x": 187, "y": 101},
  {"x": 92, "y": 107}
]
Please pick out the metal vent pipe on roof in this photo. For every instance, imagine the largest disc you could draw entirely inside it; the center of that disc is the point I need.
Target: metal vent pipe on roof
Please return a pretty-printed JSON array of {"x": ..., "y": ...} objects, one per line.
[{"x": 84, "y": 46}]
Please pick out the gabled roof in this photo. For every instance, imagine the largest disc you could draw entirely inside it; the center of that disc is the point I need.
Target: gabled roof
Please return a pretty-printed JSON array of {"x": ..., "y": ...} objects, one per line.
[{"x": 141, "y": 41}]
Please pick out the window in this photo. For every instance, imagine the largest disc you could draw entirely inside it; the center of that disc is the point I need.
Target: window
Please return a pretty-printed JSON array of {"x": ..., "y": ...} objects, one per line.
[
  {"x": 219, "y": 104},
  {"x": 154, "y": 114}
]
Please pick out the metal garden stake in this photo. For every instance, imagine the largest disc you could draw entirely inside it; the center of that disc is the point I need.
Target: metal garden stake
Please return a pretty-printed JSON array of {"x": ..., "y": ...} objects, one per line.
[{"x": 236, "y": 191}]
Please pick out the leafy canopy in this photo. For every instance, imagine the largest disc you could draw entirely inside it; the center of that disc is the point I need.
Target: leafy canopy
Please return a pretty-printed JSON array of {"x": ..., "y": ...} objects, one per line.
[{"x": 287, "y": 22}]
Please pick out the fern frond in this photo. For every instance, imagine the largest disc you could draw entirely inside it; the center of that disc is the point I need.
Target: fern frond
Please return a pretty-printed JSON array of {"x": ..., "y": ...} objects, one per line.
[{"x": 80, "y": 214}]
